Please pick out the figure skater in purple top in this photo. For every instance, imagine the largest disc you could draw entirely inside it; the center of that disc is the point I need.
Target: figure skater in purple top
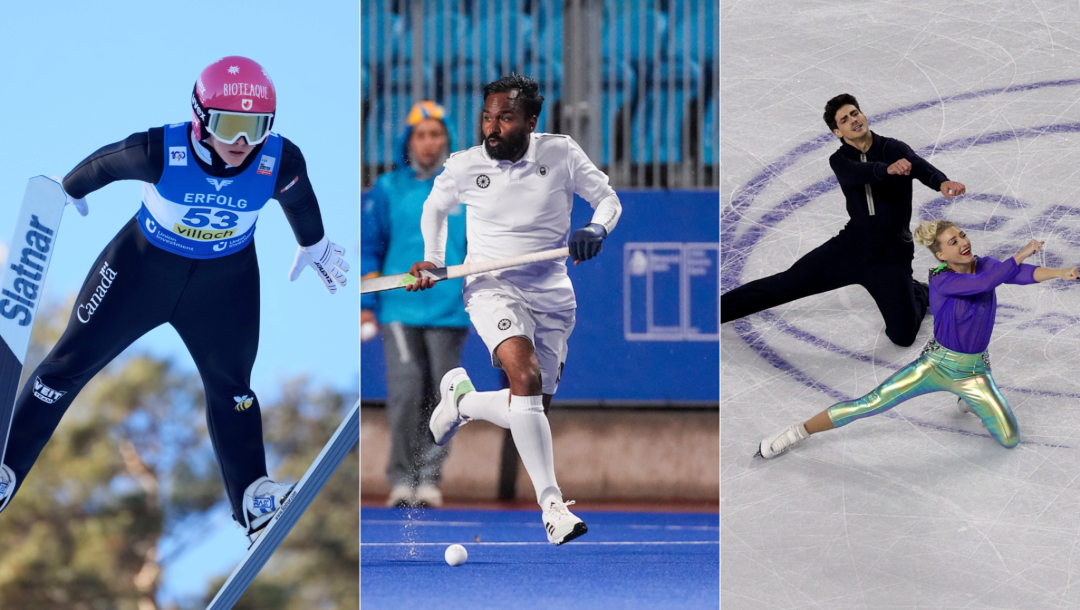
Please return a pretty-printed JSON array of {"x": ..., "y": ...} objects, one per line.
[{"x": 955, "y": 360}]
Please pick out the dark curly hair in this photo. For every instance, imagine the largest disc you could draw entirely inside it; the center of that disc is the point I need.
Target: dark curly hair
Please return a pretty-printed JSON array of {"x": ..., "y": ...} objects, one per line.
[
  {"x": 528, "y": 92},
  {"x": 835, "y": 104}
]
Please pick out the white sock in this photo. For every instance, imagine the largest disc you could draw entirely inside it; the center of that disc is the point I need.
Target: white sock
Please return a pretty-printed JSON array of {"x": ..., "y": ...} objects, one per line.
[
  {"x": 488, "y": 406},
  {"x": 532, "y": 435}
]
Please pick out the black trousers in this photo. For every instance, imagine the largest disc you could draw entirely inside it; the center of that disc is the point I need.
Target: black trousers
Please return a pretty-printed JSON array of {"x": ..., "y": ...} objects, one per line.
[
  {"x": 132, "y": 288},
  {"x": 881, "y": 266}
]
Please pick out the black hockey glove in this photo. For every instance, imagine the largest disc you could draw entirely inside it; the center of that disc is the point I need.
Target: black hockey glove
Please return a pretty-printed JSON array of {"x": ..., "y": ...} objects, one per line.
[{"x": 586, "y": 243}]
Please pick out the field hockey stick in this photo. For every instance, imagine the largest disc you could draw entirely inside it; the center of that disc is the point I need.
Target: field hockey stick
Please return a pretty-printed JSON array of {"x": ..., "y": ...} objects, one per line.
[{"x": 400, "y": 280}]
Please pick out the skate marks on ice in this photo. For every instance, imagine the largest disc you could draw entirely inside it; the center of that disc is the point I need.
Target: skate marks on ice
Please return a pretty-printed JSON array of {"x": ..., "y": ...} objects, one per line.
[
  {"x": 918, "y": 507},
  {"x": 998, "y": 223}
]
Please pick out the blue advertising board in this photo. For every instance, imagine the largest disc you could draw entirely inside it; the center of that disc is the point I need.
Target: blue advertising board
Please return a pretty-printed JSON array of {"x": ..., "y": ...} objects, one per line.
[{"x": 648, "y": 317}]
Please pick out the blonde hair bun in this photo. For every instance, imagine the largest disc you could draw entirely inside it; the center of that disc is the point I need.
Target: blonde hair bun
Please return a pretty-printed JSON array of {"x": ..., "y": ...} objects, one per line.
[{"x": 928, "y": 231}]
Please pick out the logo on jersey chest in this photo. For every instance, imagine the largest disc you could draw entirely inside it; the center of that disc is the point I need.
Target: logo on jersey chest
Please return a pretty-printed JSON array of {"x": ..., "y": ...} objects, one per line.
[
  {"x": 483, "y": 181},
  {"x": 212, "y": 199},
  {"x": 266, "y": 165},
  {"x": 202, "y": 234},
  {"x": 218, "y": 184},
  {"x": 543, "y": 170},
  {"x": 178, "y": 155}
]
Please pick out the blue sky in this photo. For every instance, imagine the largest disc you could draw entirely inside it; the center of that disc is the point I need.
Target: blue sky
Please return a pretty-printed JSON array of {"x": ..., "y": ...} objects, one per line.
[{"x": 76, "y": 76}]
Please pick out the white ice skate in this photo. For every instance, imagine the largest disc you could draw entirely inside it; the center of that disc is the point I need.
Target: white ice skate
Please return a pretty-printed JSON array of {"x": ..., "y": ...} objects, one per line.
[
  {"x": 7, "y": 485},
  {"x": 561, "y": 524},
  {"x": 782, "y": 441},
  {"x": 446, "y": 418},
  {"x": 262, "y": 499}
]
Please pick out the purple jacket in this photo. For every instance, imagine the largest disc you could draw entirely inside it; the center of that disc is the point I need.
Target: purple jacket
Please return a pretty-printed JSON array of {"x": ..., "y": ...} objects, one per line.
[{"x": 964, "y": 304}]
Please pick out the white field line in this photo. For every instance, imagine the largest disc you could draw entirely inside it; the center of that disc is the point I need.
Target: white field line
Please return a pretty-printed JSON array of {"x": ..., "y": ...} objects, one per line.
[{"x": 698, "y": 528}]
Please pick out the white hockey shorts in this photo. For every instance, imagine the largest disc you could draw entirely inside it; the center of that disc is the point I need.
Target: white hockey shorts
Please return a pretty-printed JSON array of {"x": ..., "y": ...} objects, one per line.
[{"x": 498, "y": 316}]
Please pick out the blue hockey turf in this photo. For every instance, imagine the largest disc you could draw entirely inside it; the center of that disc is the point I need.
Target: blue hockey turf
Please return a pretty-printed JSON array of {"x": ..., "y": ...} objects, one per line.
[{"x": 626, "y": 560}]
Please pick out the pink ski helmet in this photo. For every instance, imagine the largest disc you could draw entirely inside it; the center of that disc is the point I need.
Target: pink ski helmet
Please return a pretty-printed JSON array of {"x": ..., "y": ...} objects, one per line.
[{"x": 233, "y": 98}]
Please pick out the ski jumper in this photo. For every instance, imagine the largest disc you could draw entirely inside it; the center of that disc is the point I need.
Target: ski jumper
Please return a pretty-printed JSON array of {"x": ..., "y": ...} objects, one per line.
[
  {"x": 187, "y": 259},
  {"x": 955, "y": 360},
  {"x": 873, "y": 250}
]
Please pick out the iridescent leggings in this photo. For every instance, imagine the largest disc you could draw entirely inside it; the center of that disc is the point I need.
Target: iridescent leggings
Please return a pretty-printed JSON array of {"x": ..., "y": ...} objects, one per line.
[{"x": 939, "y": 369}]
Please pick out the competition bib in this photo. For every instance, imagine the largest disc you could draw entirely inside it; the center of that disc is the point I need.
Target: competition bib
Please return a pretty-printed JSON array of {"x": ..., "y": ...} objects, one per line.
[{"x": 193, "y": 214}]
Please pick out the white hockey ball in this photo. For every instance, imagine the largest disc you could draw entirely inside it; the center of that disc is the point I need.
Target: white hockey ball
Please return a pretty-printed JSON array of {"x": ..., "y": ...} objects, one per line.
[
  {"x": 456, "y": 555},
  {"x": 368, "y": 330}
]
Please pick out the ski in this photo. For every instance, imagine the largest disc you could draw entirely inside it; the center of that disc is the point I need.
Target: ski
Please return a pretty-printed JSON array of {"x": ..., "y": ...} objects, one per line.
[
  {"x": 343, "y": 440},
  {"x": 28, "y": 257}
]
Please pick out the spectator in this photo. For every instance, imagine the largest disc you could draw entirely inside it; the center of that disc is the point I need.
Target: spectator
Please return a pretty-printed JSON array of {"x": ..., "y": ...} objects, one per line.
[{"x": 422, "y": 334}]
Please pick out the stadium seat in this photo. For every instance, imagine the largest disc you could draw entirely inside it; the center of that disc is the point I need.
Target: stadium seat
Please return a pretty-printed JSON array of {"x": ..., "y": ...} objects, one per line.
[
  {"x": 692, "y": 36},
  {"x": 386, "y": 116},
  {"x": 613, "y": 8},
  {"x": 463, "y": 98},
  {"x": 547, "y": 13},
  {"x": 500, "y": 39},
  {"x": 439, "y": 6},
  {"x": 545, "y": 66},
  {"x": 444, "y": 34},
  {"x": 380, "y": 31},
  {"x": 635, "y": 36},
  {"x": 548, "y": 45},
  {"x": 658, "y": 120},
  {"x": 618, "y": 86},
  {"x": 549, "y": 75},
  {"x": 710, "y": 136},
  {"x": 486, "y": 9}
]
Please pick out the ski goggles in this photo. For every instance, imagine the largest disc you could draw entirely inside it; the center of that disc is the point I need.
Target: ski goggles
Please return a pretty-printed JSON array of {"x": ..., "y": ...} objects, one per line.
[{"x": 228, "y": 127}]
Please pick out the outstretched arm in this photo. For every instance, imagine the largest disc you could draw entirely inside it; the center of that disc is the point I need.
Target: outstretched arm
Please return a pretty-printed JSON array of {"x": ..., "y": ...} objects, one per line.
[
  {"x": 915, "y": 166},
  {"x": 1041, "y": 274}
]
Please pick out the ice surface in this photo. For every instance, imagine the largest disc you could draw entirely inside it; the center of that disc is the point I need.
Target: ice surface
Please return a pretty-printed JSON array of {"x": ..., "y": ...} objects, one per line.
[{"x": 917, "y": 508}]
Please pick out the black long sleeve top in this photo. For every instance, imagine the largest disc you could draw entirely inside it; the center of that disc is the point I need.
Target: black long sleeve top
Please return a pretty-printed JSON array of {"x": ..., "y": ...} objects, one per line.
[
  {"x": 877, "y": 201},
  {"x": 141, "y": 156}
]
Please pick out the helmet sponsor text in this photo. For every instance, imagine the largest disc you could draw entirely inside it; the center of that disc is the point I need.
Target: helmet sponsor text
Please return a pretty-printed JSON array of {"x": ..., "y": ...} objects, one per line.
[{"x": 247, "y": 89}]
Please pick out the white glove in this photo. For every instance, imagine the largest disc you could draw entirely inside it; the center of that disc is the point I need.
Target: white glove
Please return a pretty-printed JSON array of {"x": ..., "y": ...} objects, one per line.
[
  {"x": 325, "y": 258},
  {"x": 80, "y": 204}
]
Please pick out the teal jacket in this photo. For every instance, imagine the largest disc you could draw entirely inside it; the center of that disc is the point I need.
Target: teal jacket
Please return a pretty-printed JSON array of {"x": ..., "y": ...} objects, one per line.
[{"x": 390, "y": 242}]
